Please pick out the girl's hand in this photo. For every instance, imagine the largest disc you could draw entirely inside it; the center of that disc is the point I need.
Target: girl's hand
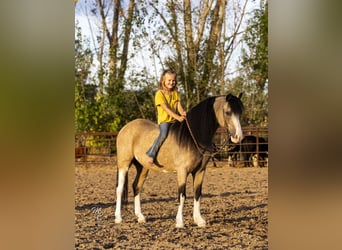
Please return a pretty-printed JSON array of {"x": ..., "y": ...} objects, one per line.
[{"x": 181, "y": 118}]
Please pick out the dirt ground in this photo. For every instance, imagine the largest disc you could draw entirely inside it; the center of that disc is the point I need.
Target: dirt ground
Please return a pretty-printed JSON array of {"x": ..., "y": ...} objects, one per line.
[{"x": 234, "y": 205}]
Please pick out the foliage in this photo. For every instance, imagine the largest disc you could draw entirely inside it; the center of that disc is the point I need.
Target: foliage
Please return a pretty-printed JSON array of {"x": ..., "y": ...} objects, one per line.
[
  {"x": 92, "y": 109},
  {"x": 83, "y": 107},
  {"x": 255, "y": 67},
  {"x": 255, "y": 59},
  {"x": 192, "y": 37}
]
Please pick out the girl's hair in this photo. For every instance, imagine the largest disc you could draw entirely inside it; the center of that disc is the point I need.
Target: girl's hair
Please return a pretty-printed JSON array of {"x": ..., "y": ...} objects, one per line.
[{"x": 162, "y": 78}]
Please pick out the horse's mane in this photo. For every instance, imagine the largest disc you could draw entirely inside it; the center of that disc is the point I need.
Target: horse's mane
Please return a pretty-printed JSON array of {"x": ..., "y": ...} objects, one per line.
[{"x": 202, "y": 121}]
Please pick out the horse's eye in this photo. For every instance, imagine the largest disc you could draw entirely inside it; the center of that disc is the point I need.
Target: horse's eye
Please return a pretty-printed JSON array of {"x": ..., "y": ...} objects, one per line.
[{"x": 228, "y": 113}]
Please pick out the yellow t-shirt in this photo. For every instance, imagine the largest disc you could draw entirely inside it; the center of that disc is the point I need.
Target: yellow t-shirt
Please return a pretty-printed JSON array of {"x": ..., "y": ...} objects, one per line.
[{"x": 172, "y": 102}]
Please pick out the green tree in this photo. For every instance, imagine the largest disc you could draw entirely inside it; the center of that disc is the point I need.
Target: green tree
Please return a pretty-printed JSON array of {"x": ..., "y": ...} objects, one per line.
[
  {"x": 190, "y": 33},
  {"x": 118, "y": 34},
  {"x": 83, "y": 62},
  {"x": 255, "y": 66},
  {"x": 255, "y": 57},
  {"x": 196, "y": 38},
  {"x": 91, "y": 109},
  {"x": 110, "y": 37}
]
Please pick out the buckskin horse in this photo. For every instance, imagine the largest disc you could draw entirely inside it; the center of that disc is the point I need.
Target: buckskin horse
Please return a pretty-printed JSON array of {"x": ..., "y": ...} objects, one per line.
[{"x": 187, "y": 149}]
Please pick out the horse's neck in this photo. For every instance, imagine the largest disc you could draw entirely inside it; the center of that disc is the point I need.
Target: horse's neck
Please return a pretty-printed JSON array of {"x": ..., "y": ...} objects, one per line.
[{"x": 203, "y": 124}]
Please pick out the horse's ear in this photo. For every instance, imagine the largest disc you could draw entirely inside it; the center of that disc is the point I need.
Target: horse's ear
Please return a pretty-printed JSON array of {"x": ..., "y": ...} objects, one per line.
[
  {"x": 240, "y": 95},
  {"x": 228, "y": 97}
]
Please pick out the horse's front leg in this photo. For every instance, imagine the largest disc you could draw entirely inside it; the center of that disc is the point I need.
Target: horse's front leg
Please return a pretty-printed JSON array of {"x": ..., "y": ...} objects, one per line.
[
  {"x": 179, "y": 217},
  {"x": 137, "y": 209},
  {"x": 198, "y": 180},
  {"x": 181, "y": 178}
]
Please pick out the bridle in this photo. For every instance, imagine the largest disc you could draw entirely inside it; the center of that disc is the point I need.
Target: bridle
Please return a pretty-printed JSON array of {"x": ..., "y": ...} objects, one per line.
[{"x": 204, "y": 151}]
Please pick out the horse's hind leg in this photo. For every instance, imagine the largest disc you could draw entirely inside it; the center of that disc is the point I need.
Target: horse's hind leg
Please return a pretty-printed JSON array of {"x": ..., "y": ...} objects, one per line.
[
  {"x": 137, "y": 185},
  {"x": 121, "y": 189}
]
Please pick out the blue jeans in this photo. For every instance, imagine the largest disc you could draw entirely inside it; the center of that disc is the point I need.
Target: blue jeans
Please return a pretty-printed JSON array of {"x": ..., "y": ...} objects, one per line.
[{"x": 163, "y": 131}]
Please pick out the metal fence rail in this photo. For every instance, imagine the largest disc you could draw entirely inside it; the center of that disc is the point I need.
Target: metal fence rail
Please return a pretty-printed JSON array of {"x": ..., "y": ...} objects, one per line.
[
  {"x": 245, "y": 154},
  {"x": 95, "y": 147},
  {"x": 100, "y": 147}
]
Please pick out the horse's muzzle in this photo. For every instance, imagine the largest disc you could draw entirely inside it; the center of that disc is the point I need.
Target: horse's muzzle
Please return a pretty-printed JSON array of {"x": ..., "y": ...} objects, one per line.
[{"x": 236, "y": 138}]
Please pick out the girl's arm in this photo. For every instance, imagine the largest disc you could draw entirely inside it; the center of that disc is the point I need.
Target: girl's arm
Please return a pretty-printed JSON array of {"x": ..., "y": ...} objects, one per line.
[
  {"x": 180, "y": 109},
  {"x": 171, "y": 113}
]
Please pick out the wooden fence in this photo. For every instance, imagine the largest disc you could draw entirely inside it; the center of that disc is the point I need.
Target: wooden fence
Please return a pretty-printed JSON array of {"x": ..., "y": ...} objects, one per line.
[{"x": 100, "y": 147}]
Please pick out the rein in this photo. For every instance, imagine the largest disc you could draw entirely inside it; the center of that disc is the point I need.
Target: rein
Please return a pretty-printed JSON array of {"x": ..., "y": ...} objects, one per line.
[{"x": 199, "y": 148}]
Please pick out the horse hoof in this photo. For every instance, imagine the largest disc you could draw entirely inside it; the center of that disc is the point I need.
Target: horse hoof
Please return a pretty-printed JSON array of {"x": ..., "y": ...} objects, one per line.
[
  {"x": 118, "y": 220},
  {"x": 179, "y": 225},
  {"x": 202, "y": 224},
  {"x": 141, "y": 220}
]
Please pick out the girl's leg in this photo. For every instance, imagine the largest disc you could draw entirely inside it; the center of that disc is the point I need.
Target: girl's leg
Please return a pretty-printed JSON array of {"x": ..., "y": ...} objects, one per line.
[{"x": 163, "y": 131}]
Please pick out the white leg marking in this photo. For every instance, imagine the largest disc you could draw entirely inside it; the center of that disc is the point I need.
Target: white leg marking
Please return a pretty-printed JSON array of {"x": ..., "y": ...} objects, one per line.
[
  {"x": 230, "y": 161},
  {"x": 197, "y": 214},
  {"x": 255, "y": 161},
  {"x": 137, "y": 209},
  {"x": 179, "y": 217},
  {"x": 119, "y": 191}
]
